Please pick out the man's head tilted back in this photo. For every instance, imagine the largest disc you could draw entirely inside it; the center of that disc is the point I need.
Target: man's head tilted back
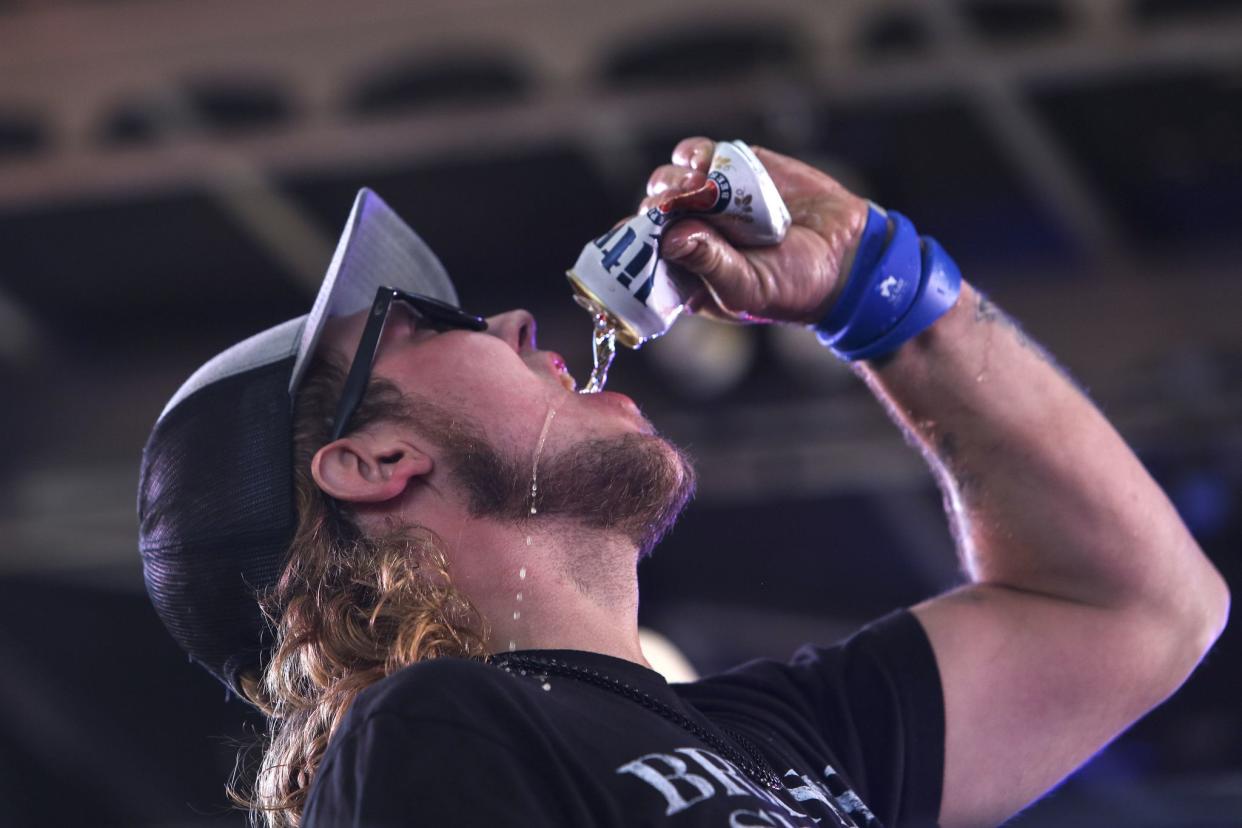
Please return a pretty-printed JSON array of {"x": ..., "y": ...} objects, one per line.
[{"x": 242, "y": 479}]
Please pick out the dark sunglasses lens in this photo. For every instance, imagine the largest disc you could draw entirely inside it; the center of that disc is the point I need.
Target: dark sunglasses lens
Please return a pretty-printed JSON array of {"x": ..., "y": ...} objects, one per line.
[{"x": 442, "y": 316}]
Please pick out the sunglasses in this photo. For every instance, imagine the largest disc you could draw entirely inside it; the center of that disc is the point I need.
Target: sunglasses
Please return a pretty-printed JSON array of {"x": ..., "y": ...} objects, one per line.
[{"x": 428, "y": 312}]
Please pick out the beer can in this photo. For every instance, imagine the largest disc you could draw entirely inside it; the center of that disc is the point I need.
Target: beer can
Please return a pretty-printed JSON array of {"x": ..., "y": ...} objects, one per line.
[{"x": 621, "y": 273}]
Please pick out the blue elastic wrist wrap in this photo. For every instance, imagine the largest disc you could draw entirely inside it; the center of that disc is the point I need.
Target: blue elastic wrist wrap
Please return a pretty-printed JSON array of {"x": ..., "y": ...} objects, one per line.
[
  {"x": 938, "y": 290},
  {"x": 871, "y": 246},
  {"x": 895, "y": 290}
]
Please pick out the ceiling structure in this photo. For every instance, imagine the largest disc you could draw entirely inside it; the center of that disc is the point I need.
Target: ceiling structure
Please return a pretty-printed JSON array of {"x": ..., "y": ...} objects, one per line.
[
  {"x": 173, "y": 175},
  {"x": 162, "y": 161}
]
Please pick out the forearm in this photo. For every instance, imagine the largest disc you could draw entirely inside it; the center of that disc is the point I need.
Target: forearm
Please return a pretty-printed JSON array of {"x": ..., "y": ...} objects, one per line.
[
  {"x": 1044, "y": 494},
  {"x": 1089, "y": 602}
]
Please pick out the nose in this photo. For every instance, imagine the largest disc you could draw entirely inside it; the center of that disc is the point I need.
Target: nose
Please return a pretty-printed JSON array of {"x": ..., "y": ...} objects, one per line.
[{"x": 515, "y": 327}]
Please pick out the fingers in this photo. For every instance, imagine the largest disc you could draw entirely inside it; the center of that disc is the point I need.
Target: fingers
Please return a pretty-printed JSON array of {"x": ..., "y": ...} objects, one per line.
[
  {"x": 792, "y": 281},
  {"x": 695, "y": 153},
  {"x": 687, "y": 175},
  {"x": 681, "y": 241},
  {"x": 696, "y": 200},
  {"x": 696, "y": 247},
  {"x": 673, "y": 177},
  {"x": 669, "y": 184},
  {"x": 688, "y": 172}
]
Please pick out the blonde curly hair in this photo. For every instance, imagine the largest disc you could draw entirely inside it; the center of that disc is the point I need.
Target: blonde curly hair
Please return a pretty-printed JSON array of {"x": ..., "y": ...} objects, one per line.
[{"x": 348, "y": 610}]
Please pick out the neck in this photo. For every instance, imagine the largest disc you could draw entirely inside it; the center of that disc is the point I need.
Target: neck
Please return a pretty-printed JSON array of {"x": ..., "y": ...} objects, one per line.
[{"x": 550, "y": 584}]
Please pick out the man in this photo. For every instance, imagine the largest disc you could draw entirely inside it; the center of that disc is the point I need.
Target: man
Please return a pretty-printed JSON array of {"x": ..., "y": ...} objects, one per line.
[{"x": 452, "y": 603}]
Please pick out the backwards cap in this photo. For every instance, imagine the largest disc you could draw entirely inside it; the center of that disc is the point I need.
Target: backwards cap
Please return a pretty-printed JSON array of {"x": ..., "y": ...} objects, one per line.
[{"x": 216, "y": 506}]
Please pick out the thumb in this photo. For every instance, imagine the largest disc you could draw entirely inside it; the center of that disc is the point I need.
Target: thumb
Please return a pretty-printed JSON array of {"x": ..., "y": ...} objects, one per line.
[{"x": 696, "y": 247}]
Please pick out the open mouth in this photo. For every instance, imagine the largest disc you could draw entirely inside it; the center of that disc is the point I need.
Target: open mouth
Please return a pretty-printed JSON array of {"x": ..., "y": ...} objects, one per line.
[{"x": 562, "y": 373}]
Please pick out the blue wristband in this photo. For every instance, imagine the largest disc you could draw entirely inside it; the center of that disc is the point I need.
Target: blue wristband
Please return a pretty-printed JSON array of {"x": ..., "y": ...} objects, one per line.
[
  {"x": 871, "y": 246},
  {"x": 939, "y": 286},
  {"x": 883, "y": 291}
]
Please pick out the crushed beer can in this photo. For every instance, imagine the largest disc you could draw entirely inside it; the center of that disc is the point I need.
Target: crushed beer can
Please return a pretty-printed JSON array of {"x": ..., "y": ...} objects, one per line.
[{"x": 621, "y": 274}]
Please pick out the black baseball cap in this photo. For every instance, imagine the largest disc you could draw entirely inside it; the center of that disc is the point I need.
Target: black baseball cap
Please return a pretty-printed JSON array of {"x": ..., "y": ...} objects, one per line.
[{"x": 216, "y": 508}]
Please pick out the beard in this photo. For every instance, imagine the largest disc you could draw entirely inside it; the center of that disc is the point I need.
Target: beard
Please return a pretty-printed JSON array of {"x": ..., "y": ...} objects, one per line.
[{"x": 636, "y": 484}]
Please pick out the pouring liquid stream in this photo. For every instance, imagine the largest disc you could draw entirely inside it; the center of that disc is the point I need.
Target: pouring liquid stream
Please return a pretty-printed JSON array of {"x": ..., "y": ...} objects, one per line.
[
  {"x": 603, "y": 351},
  {"x": 534, "y": 508},
  {"x": 534, "y": 468}
]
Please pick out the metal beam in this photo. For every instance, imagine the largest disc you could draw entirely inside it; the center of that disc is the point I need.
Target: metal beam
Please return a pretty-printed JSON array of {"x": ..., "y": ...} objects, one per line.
[
  {"x": 240, "y": 189},
  {"x": 316, "y": 53},
  {"x": 1037, "y": 155}
]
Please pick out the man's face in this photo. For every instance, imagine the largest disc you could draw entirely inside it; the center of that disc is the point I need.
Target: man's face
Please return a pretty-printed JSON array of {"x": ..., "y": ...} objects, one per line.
[
  {"x": 497, "y": 379},
  {"x": 501, "y": 388}
]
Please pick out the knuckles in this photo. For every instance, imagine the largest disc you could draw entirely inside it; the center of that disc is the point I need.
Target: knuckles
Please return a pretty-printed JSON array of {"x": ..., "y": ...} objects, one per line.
[{"x": 695, "y": 152}]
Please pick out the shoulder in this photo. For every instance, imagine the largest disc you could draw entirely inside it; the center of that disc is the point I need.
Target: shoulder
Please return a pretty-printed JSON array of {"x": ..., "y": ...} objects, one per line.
[
  {"x": 439, "y": 687},
  {"x": 893, "y": 648},
  {"x": 444, "y": 694},
  {"x": 413, "y": 748}
]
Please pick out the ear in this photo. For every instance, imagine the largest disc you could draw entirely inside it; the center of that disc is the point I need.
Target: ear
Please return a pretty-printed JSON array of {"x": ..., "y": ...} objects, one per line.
[{"x": 369, "y": 467}]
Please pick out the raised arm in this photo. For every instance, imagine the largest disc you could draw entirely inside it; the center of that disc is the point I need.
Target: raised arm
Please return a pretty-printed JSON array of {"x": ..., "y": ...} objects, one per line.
[{"x": 1088, "y": 601}]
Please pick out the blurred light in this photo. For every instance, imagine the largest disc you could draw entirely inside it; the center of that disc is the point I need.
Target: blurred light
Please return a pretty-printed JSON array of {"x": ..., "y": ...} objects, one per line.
[
  {"x": 702, "y": 358},
  {"x": 1203, "y": 500},
  {"x": 812, "y": 365},
  {"x": 665, "y": 657}
]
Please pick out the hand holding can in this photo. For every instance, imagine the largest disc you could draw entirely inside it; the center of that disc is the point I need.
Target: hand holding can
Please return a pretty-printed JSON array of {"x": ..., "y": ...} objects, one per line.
[
  {"x": 797, "y": 280},
  {"x": 623, "y": 275}
]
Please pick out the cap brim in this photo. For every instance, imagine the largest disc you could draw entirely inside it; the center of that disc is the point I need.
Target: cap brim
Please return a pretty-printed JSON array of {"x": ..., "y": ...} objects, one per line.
[
  {"x": 216, "y": 492},
  {"x": 376, "y": 249}
]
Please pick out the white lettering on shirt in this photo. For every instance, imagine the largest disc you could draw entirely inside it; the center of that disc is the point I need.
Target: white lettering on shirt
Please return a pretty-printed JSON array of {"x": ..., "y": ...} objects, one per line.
[
  {"x": 669, "y": 774},
  {"x": 663, "y": 783},
  {"x": 847, "y": 799},
  {"x": 731, "y": 779},
  {"x": 770, "y": 819}
]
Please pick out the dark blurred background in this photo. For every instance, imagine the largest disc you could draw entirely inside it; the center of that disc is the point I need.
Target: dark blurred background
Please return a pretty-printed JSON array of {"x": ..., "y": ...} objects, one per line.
[{"x": 173, "y": 175}]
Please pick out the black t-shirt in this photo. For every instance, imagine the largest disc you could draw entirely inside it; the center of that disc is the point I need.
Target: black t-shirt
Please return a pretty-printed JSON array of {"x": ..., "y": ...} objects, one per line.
[{"x": 856, "y": 731}]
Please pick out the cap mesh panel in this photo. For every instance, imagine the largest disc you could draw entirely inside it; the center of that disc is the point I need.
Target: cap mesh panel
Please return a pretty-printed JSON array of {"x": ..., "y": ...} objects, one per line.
[{"x": 216, "y": 513}]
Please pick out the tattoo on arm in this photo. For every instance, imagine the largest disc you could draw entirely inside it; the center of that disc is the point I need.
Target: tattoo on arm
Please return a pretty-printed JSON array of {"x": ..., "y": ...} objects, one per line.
[
  {"x": 987, "y": 313},
  {"x": 964, "y": 458},
  {"x": 950, "y": 455}
]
